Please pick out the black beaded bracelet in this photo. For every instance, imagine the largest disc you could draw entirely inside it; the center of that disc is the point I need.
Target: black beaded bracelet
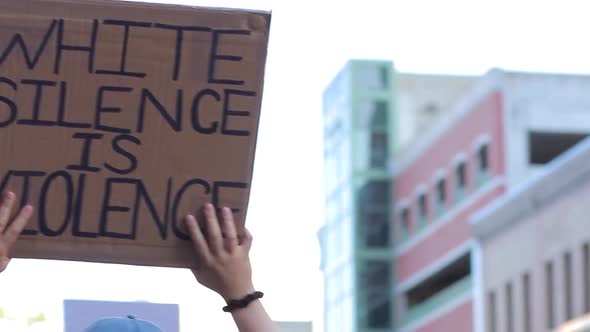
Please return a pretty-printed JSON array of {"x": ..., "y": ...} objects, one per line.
[{"x": 243, "y": 302}]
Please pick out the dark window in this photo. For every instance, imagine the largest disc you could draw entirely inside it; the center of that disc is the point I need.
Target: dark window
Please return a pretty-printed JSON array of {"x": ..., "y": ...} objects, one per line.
[
  {"x": 422, "y": 206},
  {"x": 567, "y": 275},
  {"x": 438, "y": 282},
  {"x": 373, "y": 207},
  {"x": 546, "y": 146},
  {"x": 549, "y": 294},
  {"x": 460, "y": 173},
  {"x": 375, "y": 193},
  {"x": 441, "y": 191},
  {"x": 526, "y": 294},
  {"x": 384, "y": 73},
  {"x": 379, "y": 316},
  {"x": 509, "y": 309},
  {"x": 379, "y": 150},
  {"x": 405, "y": 220},
  {"x": 483, "y": 158},
  {"x": 376, "y": 225},
  {"x": 379, "y": 116},
  {"x": 377, "y": 285},
  {"x": 586, "y": 276},
  {"x": 492, "y": 312}
]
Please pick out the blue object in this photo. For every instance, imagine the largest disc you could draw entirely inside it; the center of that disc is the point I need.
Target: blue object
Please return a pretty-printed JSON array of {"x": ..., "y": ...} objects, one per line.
[{"x": 128, "y": 324}]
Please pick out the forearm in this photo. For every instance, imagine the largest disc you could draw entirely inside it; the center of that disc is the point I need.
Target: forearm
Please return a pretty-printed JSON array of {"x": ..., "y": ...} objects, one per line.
[{"x": 254, "y": 318}]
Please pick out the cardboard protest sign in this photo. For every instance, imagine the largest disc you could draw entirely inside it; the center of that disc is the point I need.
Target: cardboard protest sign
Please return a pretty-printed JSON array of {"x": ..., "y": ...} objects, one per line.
[{"x": 119, "y": 118}]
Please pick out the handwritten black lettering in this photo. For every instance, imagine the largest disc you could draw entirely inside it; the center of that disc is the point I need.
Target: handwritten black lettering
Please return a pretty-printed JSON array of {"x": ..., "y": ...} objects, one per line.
[
  {"x": 215, "y": 56},
  {"x": 69, "y": 196},
  {"x": 37, "y": 103},
  {"x": 18, "y": 40},
  {"x": 61, "y": 47},
  {"x": 227, "y": 112},
  {"x": 175, "y": 123},
  {"x": 101, "y": 109},
  {"x": 84, "y": 164},
  {"x": 12, "y": 108},
  {"x": 124, "y": 48},
  {"x": 116, "y": 143}
]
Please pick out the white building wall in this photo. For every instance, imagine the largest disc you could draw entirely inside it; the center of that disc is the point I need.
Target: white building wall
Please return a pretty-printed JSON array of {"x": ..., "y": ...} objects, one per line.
[
  {"x": 423, "y": 100},
  {"x": 542, "y": 102}
]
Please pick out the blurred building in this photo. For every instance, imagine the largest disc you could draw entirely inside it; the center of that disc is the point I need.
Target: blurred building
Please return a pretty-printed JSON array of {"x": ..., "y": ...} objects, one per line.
[
  {"x": 295, "y": 326},
  {"x": 80, "y": 314},
  {"x": 356, "y": 238},
  {"x": 497, "y": 135},
  {"x": 422, "y": 100},
  {"x": 533, "y": 252},
  {"x": 364, "y": 124}
]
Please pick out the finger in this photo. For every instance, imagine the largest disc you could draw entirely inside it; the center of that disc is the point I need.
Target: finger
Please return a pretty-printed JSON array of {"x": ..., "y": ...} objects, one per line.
[
  {"x": 228, "y": 228},
  {"x": 214, "y": 238},
  {"x": 246, "y": 240},
  {"x": 197, "y": 237},
  {"x": 16, "y": 227},
  {"x": 5, "y": 210}
]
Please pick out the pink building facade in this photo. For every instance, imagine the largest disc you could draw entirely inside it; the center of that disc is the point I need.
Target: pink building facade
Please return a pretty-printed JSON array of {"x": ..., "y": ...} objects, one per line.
[{"x": 459, "y": 167}]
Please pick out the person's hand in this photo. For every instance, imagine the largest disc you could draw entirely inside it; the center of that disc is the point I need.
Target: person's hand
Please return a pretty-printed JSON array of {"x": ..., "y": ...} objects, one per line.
[
  {"x": 10, "y": 229},
  {"x": 223, "y": 261}
]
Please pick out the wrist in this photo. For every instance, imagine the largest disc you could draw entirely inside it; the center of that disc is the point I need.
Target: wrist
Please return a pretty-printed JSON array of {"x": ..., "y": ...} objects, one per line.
[
  {"x": 239, "y": 304},
  {"x": 238, "y": 292}
]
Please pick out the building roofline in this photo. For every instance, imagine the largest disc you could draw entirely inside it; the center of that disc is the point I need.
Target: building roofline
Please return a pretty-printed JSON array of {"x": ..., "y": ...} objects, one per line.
[
  {"x": 481, "y": 88},
  {"x": 345, "y": 68},
  {"x": 566, "y": 172},
  {"x": 404, "y": 74}
]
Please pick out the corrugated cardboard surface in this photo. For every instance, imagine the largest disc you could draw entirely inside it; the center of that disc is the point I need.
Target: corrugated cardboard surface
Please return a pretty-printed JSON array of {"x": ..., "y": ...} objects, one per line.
[{"x": 88, "y": 214}]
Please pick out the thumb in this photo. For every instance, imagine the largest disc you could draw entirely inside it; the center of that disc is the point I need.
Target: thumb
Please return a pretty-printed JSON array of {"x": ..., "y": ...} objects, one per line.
[{"x": 246, "y": 242}]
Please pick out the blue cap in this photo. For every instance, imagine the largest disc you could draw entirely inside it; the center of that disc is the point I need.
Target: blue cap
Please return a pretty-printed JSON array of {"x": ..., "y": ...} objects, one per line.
[{"x": 128, "y": 324}]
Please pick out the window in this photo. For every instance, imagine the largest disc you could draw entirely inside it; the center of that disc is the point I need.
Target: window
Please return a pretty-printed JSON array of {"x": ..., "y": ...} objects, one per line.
[
  {"x": 461, "y": 180},
  {"x": 549, "y": 295},
  {"x": 567, "y": 275},
  {"x": 526, "y": 295},
  {"x": 384, "y": 77},
  {"x": 546, "y": 146},
  {"x": 379, "y": 149},
  {"x": 373, "y": 209},
  {"x": 509, "y": 308},
  {"x": 483, "y": 164},
  {"x": 422, "y": 209},
  {"x": 492, "y": 312},
  {"x": 483, "y": 158},
  {"x": 375, "y": 193},
  {"x": 441, "y": 195},
  {"x": 376, "y": 281},
  {"x": 405, "y": 223},
  {"x": 376, "y": 226},
  {"x": 586, "y": 276}
]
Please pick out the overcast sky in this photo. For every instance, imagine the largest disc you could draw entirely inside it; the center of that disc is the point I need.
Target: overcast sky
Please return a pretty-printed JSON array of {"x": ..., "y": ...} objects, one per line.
[{"x": 310, "y": 41}]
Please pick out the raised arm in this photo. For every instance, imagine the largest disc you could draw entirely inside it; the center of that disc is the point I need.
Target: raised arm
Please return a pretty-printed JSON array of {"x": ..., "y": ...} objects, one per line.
[
  {"x": 10, "y": 229},
  {"x": 224, "y": 267}
]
